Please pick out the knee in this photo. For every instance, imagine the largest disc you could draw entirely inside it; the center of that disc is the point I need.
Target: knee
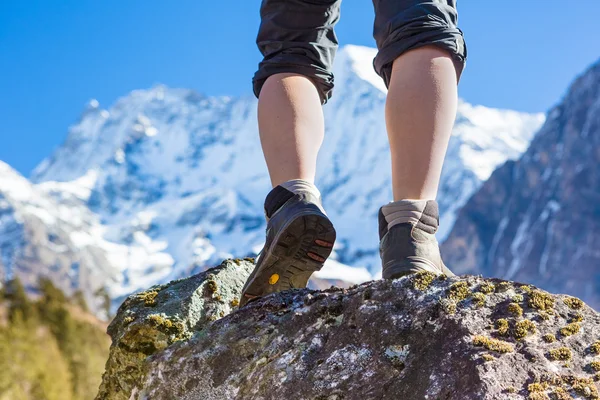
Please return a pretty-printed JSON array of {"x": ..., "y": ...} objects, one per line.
[
  {"x": 420, "y": 25},
  {"x": 320, "y": 78}
]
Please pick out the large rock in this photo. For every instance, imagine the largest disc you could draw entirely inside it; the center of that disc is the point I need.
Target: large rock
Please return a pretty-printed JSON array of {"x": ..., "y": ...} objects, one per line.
[
  {"x": 151, "y": 321},
  {"x": 418, "y": 337}
]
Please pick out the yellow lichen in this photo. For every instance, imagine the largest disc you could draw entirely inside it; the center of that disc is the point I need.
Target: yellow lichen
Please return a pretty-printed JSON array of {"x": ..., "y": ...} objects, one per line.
[
  {"x": 540, "y": 300},
  {"x": 595, "y": 347},
  {"x": 549, "y": 338},
  {"x": 573, "y": 302},
  {"x": 559, "y": 393},
  {"x": 517, "y": 298},
  {"x": 511, "y": 389},
  {"x": 250, "y": 259},
  {"x": 158, "y": 320},
  {"x": 487, "y": 288},
  {"x": 479, "y": 299},
  {"x": 488, "y": 357},
  {"x": 128, "y": 320},
  {"x": 584, "y": 387},
  {"x": 570, "y": 329},
  {"x": 595, "y": 365},
  {"x": 422, "y": 280},
  {"x": 537, "y": 391},
  {"x": 502, "y": 326},
  {"x": 459, "y": 291},
  {"x": 503, "y": 287},
  {"x": 577, "y": 317},
  {"x": 537, "y": 387},
  {"x": 167, "y": 326},
  {"x": 235, "y": 302},
  {"x": 561, "y": 353},
  {"x": 493, "y": 344},
  {"x": 544, "y": 315},
  {"x": 448, "y": 306},
  {"x": 212, "y": 286},
  {"x": 515, "y": 309},
  {"x": 597, "y": 376},
  {"x": 149, "y": 298},
  {"x": 526, "y": 289},
  {"x": 524, "y": 328}
]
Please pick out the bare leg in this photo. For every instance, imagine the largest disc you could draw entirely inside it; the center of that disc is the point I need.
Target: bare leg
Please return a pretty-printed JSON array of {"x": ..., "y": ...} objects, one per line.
[
  {"x": 290, "y": 120},
  {"x": 420, "y": 112}
]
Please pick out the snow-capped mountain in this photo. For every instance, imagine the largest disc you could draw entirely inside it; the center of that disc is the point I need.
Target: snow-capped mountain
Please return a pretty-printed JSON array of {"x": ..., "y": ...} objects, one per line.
[
  {"x": 537, "y": 219},
  {"x": 41, "y": 236},
  {"x": 168, "y": 181}
]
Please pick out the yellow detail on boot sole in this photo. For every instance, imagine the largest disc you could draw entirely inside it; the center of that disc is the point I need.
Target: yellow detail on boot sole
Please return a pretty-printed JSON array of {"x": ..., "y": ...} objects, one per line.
[{"x": 274, "y": 279}]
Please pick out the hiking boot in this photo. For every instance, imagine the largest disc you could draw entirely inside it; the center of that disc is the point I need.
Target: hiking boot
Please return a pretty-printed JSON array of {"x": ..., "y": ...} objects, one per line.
[
  {"x": 300, "y": 237},
  {"x": 409, "y": 247}
]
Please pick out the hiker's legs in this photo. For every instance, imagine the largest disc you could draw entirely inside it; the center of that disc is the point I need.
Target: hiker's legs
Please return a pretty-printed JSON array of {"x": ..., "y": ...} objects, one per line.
[
  {"x": 420, "y": 113},
  {"x": 421, "y": 56},
  {"x": 294, "y": 79},
  {"x": 290, "y": 120},
  {"x": 298, "y": 42}
]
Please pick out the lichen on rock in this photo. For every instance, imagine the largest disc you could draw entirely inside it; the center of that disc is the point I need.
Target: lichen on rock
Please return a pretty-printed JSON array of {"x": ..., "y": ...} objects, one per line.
[
  {"x": 155, "y": 319},
  {"x": 450, "y": 338}
]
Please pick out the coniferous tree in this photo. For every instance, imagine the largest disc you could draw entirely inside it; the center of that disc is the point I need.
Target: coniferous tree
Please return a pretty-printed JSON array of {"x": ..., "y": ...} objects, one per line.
[
  {"x": 58, "y": 354},
  {"x": 19, "y": 303},
  {"x": 79, "y": 300}
]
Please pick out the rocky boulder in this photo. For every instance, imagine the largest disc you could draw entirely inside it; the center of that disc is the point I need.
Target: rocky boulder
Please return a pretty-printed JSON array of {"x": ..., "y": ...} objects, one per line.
[
  {"x": 151, "y": 321},
  {"x": 418, "y": 337}
]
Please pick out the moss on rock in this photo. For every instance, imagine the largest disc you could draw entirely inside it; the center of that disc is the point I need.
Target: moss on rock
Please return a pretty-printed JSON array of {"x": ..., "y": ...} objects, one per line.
[
  {"x": 576, "y": 317},
  {"x": 570, "y": 329},
  {"x": 573, "y": 303},
  {"x": 479, "y": 299},
  {"x": 422, "y": 280},
  {"x": 515, "y": 309},
  {"x": 459, "y": 291},
  {"x": 486, "y": 287},
  {"x": 549, "y": 338},
  {"x": 502, "y": 327},
  {"x": 148, "y": 297},
  {"x": 560, "y": 354},
  {"x": 595, "y": 365},
  {"x": 496, "y": 345},
  {"x": 524, "y": 328},
  {"x": 540, "y": 300}
]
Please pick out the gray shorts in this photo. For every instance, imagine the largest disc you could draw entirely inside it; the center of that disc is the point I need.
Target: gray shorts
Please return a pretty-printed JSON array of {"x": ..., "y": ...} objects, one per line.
[{"x": 297, "y": 36}]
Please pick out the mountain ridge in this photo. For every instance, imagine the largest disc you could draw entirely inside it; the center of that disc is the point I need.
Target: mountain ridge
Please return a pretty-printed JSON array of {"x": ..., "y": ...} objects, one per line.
[
  {"x": 172, "y": 181},
  {"x": 538, "y": 214}
]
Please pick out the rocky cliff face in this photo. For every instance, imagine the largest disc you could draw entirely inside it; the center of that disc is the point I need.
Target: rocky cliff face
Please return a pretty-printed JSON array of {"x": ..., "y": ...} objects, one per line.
[
  {"x": 419, "y": 337},
  {"x": 538, "y": 219}
]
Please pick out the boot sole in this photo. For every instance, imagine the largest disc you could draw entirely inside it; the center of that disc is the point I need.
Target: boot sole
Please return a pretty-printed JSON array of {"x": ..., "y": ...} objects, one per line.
[
  {"x": 413, "y": 265},
  {"x": 298, "y": 250}
]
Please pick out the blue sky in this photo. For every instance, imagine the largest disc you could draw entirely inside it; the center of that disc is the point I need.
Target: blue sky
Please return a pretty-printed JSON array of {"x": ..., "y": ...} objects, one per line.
[{"x": 56, "y": 55}]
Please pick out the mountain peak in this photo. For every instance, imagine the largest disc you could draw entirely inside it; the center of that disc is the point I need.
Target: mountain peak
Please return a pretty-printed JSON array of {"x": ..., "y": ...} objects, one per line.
[
  {"x": 13, "y": 184},
  {"x": 358, "y": 60}
]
